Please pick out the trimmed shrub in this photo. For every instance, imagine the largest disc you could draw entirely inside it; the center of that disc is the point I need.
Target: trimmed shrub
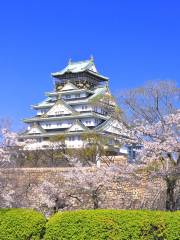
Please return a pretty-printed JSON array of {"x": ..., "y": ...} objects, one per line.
[
  {"x": 21, "y": 224},
  {"x": 113, "y": 225}
]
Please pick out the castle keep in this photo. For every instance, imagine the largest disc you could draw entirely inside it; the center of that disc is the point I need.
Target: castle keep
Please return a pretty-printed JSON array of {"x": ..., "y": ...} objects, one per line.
[{"x": 76, "y": 106}]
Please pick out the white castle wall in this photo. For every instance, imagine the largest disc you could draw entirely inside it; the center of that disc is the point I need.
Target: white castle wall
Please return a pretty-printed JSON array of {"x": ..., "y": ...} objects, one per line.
[
  {"x": 74, "y": 95},
  {"x": 67, "y": 123},
  {"x": 82, "y": 107}
]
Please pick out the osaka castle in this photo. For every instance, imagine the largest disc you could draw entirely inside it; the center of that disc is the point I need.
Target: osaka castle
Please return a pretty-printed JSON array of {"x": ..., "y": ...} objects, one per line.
[{"x": 76, "y": 106}]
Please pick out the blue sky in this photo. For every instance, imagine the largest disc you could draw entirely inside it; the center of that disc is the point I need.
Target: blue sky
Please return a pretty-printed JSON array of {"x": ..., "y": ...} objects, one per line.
[{"x": 131, "y": 41}]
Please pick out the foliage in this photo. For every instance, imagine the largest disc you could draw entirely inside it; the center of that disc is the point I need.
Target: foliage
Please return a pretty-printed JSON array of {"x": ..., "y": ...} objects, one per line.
[
  {"x": 94, "y": 146},
  {"x": 89, "y": 184},
  {"x": 8, "y": 140},
  {"x": 154, "y": 118},
  {"x": 107, "y": 102},
  {"x": 21, "y": 224},
  {"x": 30, "y": 152},
  {"x": 113, "y": 224},
  {"x": 59, "y": 138},
  {"x": 91, "y": 151}
]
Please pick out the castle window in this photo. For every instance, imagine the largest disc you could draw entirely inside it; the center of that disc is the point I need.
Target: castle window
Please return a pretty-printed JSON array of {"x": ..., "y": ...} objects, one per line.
[
  {"x": 59, "y": 113},
  {"x": 84, "y": 107},
  {"x": 96, "y": 121},
  {"x": 77, "y": 95},
  {"x": 71, "y": 138},
  {"x": 78, "y": 138}
]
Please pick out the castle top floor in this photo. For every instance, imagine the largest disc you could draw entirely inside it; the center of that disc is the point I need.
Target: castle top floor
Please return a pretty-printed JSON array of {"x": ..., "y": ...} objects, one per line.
[{"x": 82, "y": 74}]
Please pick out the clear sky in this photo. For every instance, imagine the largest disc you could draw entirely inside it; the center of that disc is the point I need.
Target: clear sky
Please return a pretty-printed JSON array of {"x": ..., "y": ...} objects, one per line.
[{"x": 131, "y": 40}]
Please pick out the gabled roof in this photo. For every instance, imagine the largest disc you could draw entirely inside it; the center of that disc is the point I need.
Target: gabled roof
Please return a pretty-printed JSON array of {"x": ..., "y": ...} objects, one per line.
[
  {"x": 112, "y": 126},
  {"x": 36, "y": 129},
  {"x": 77, "y": 126},
  {"x": 44, "y": 104},
  {"x": 69, "y": 86},
  {"x": 103, "y": 95},
  {"x": 54, "y": 118},
  {"x": 97, "y": 92},
  {"x": 62, "y": 107},
  {"x": 80, "y": 66}
]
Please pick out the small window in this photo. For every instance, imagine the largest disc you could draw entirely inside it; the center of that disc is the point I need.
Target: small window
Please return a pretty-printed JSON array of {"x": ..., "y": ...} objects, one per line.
[
  {"x": 77, "y": 95},
  {"x": 71, "y": 138},
  {"x": 84, "y": 107},
  {"x": 59, "y": 113},
  {"x": 96, "y": 121},
  {"x": 88, "y": 122},
  {"x": 68, "y": 96},
  {"x": 133, "y": 154}
]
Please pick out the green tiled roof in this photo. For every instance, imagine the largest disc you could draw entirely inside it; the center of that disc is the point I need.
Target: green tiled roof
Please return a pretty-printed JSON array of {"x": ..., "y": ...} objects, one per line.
[
  {"x": 61, "y": 101},
  {"x": 44, "y": 104},
  {"x": 68, "y": 92},
  {"x": 77, "y": 116},
  {"x": 55, "y": 133},
  {"x": 79, "y": 123},
  {"x": 96, "y": 92},
  {"x": 80, "y": 66}
]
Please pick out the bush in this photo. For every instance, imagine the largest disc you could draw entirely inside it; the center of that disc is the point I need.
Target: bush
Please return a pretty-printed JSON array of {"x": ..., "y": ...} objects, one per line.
[
  {"x": 21, "y": 224},
  {"x": 113, "y": 225},
  {"x": 24, "y": 224}
]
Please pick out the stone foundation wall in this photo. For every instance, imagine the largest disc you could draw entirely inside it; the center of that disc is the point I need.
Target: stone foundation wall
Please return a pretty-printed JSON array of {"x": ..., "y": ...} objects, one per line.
[{"x": 18, "y": 188}]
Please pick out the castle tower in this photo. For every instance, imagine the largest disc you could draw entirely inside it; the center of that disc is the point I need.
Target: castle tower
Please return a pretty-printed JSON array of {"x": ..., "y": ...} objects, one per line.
[{"x": 75, "y": 107}]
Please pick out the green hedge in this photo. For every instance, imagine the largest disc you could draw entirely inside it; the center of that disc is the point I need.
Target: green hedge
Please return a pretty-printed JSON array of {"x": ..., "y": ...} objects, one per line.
[
  {"x": 24, "y": 224},
  {"x": 113, "y": 225},
  {"x": 21, "y": 224}
]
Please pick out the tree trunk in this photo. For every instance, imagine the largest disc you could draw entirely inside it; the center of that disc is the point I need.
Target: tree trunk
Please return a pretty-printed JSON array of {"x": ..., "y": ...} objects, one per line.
[
  {"x": 95, "y": 200},
  {"x": 170, "y": 193}
]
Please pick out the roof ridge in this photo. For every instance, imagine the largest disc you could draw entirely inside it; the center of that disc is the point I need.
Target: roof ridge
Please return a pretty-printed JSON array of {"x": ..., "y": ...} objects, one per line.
[
  {"x": 81, "y": 61},
  {"x": 79, "y": 66},
  {"x": 66, "y": 104},
  {"x": 77, "y": 121}
]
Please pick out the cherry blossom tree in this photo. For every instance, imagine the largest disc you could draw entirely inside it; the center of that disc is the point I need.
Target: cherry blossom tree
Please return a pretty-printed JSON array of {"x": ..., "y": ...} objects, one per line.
[
  {"x": 8, "y": 141},
  {"x": 82, "y": 187},
  {"x": 161, "y": 149},
  {"x": 91, "y": 184},
  {"x": 13, "y": 152},
  {"x": 154, "y": 119}
]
